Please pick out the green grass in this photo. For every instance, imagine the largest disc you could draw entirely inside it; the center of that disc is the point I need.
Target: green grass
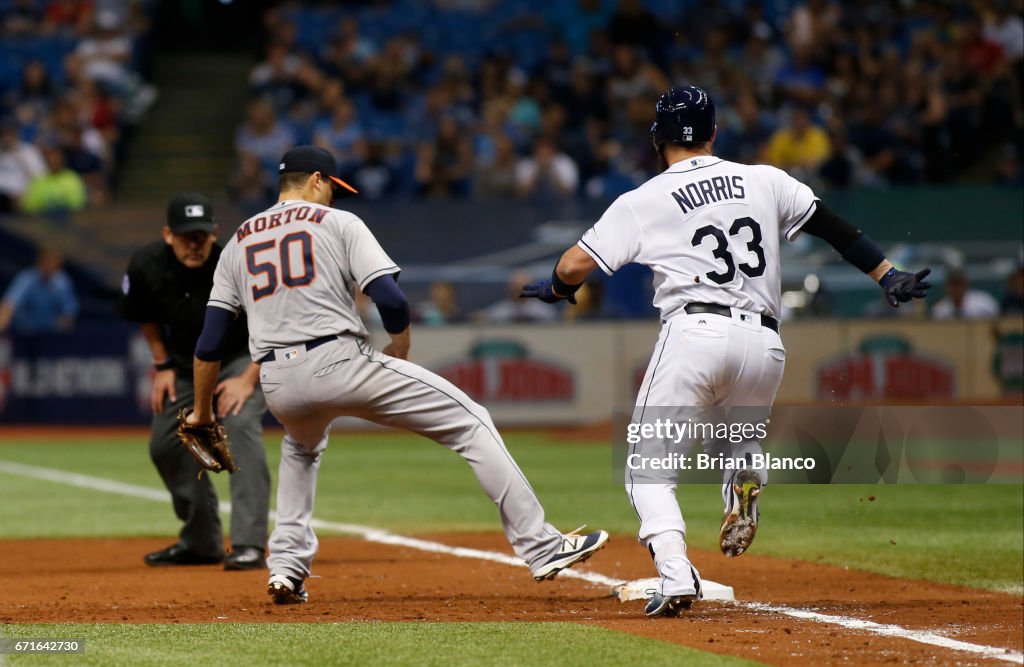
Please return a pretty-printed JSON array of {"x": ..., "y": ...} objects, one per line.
[
  {"x": 965, "y": 534},
  {"x": 360, "y": 643}
]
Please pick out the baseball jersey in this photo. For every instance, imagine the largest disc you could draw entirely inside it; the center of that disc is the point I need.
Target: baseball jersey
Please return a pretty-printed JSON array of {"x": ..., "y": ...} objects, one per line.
[
  {"x": 294, "y": 269},
  {"x": 709, "y": 229}
]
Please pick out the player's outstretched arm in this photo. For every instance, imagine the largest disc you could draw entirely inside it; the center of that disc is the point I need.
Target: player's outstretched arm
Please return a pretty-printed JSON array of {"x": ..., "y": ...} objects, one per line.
[
  {"x": 858, "y": 249},
  {"x": 568, "y": 276},
  {"x": 209, "y": 352}
]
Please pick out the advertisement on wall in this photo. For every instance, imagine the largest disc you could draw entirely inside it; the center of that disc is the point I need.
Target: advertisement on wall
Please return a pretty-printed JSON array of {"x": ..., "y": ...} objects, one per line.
[{"x": 536, "y": 375}]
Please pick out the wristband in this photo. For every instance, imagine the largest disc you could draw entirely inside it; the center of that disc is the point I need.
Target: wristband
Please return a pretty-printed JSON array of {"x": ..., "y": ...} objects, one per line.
[
  {"x": 165, "y": 365},
  {"x": 884, "y": 280},
  {"x": 562, "y": 288}
]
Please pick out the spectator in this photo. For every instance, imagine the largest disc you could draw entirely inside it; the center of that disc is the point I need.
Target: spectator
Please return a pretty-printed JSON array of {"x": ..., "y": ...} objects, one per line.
[
  {"x": 799, "y": 147},
  {"x": 444, "y": 166},
  {"x": 588, "y": 303},
  {"x": 105, "y": 54},
  {"x": 1008, "y": 167},
  {"x": 513, "y": 309},
  {"x": 20, "y": 164},
  {"x": 33, "y": 99},
  {"x": 497, "y": 179},
  {"x": 263, "y": 136},
  {"x": 68, "y": 16},
  {"x": 378, "y": 177},
  {"x": 547, "y": 174},
  {"x": 962, "y": 303},
  {"x": 442, "y": 308},
  {"x": 1012, "y": 302},
  {"x": 40, "y": 299},
  {"x": 59, "y": 190},
  {"x": 575, "y": 21},
  {"x": 21, "y": 17},
  {"x": 342, "y": 135},
  {"x": 742, "y": 137},
  {"x": 252, "y": 187},
  {"x": 802, "y": 81},
  {"x": 634, "y": 25},
  {"x": 275, "y": 77}
]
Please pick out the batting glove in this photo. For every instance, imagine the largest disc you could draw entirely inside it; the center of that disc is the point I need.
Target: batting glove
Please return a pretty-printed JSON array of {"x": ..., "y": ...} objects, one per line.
[
  {"x": 902, "y": 286},
  {"x": 542, "y": 290}
]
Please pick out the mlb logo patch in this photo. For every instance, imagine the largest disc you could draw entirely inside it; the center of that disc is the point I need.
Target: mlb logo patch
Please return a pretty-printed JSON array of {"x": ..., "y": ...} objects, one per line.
[
  {"x": 291, "y": 354},
  {"x": 195, "y": 211}
]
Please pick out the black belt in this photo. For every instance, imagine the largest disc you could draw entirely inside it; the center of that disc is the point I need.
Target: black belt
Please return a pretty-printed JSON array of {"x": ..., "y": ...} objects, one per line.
[
  {"x": 309, "y": 345},
  {"x": 725, "y": 311}
]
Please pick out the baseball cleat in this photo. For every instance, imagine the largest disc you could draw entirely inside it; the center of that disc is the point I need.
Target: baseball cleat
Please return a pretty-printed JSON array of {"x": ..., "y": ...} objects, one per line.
[
  {"x": 286, "y": 590},
  {"x": 179, "y": 554},
  {"x": 740, "y": 522},
  {"x": 575, "y": 548},
  {"x": 668, "y": 605},
  {"x": 245, "y": 558}
]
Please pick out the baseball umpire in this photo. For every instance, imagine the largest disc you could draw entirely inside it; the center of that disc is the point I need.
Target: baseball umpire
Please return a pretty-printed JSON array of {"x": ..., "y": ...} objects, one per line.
[
  {"x": 165, "y": 289},
  {"x": 710, "y": 229}
]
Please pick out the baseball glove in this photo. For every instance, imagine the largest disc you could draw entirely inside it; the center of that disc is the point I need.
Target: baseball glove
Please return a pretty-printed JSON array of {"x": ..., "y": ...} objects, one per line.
[{"x": 208, "y": 443}]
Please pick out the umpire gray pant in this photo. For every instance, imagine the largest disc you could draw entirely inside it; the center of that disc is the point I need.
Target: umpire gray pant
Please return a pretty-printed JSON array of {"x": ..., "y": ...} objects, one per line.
[
  {"x": 194, "y": 499},
  {"x": 349, "y": 378}
]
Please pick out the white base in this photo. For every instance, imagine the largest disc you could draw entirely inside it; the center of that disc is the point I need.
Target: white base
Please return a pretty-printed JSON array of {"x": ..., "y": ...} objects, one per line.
[{"x": 637, "y": 590}]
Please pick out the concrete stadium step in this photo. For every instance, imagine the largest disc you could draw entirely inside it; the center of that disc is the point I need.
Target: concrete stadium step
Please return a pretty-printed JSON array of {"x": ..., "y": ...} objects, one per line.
[{"x": 186, "y": 141}]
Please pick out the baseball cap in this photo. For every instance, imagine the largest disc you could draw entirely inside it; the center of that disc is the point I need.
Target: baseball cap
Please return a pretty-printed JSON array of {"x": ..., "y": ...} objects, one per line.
[
  {"x": 188, "y": 212},
  {"x": 308, "y": 159}
]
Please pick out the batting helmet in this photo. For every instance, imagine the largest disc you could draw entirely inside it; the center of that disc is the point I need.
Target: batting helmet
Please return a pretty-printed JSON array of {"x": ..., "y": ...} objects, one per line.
[{"x": 683, "y": 115}]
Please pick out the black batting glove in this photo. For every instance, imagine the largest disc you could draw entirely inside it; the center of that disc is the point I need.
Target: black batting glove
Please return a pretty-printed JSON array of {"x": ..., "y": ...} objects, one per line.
[
  {"x": 542, "y": 290},
  {"x": 902, "y": 286}
]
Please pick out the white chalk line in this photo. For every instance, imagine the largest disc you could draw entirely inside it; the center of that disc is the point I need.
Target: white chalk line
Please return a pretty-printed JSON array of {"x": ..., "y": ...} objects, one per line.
[
  {"x": 888, "y": 630},
  {"x": 381, "y": 536}
]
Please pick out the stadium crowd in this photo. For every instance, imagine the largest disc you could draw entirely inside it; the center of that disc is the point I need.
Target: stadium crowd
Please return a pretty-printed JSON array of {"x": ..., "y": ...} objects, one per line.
[
  {"x": 70, "y": 87},
  {"x": 547, "y": 101}
]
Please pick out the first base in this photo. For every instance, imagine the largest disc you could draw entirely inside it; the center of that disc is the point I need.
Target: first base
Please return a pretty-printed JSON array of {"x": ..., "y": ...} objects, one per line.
[{"x": 640, "y": 589}]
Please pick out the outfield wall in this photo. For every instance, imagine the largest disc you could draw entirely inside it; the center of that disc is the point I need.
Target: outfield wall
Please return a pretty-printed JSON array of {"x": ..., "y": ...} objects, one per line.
[{"x": 554, "y": 374}]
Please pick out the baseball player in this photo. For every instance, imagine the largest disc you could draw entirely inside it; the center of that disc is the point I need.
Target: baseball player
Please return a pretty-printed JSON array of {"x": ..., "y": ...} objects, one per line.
[
  {"x": 165, "y": 290},
  {"x": 709, "y": 229},
  {"x": 294, "y": 270}
]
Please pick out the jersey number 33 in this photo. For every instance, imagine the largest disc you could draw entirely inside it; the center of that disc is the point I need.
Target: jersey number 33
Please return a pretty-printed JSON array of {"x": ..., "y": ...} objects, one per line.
[{"x": 720, "y": 250}]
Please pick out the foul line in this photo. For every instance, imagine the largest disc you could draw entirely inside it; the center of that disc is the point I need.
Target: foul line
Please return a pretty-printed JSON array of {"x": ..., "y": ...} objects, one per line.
[
  {"x": 888, "y": 630},
  {"x": 385, "y": 537}
]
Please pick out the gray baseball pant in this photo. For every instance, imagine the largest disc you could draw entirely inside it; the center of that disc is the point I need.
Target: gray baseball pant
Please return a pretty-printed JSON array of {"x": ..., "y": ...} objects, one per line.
[
  {"x": 348, "y": 378},
  {"x": 194, "y": 499}
]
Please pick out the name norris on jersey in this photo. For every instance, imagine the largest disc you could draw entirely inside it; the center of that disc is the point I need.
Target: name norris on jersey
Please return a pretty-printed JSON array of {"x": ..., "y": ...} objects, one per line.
[
  {"x": 263, "y": 223},
  {"x": 709, "y": 191}
]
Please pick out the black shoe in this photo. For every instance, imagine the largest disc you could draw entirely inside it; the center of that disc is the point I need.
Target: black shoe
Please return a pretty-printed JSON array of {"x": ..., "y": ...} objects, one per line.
[
  {"x": 179, "y": 554},
  {"x": 245, "y": 558},
  {"x": 668, "y": 605}
]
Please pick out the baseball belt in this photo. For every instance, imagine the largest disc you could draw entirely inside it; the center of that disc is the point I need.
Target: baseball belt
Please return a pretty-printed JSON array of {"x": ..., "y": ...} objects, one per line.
[
  {"x": 725, "y": 311},
  {"x": 308, "y": 345}
]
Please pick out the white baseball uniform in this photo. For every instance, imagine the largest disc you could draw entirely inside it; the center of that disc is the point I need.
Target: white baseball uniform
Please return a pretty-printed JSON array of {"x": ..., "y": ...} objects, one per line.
[
  {"x": 294, "y": 269},
  {"x": 709, "y": 229}
]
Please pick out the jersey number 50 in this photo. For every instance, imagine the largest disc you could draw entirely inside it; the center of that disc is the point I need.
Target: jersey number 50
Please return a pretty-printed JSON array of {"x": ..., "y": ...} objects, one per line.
[
  {"x": 295, "y": 246},
  {"x": 721, "y": 250}
]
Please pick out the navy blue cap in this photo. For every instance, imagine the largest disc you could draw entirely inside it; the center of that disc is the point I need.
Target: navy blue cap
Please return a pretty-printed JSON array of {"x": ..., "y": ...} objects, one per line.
[{"x": 309, "y": 159}]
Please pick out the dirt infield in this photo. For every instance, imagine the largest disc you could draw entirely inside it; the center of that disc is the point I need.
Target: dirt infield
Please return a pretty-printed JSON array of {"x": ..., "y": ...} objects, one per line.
[{"x": 104, "y": 580}]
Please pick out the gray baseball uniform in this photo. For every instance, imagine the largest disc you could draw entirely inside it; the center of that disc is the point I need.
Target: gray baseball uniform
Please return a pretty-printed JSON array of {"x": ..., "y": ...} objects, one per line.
[{"x": 294, "y": 269}]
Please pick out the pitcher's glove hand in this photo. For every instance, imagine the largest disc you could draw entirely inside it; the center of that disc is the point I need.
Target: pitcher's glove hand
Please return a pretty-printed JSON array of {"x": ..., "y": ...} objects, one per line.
[
  {"x": 901, "y": 286},
  {"x": 208, "y": 443},
  {"x": 542, "y": 290}
]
